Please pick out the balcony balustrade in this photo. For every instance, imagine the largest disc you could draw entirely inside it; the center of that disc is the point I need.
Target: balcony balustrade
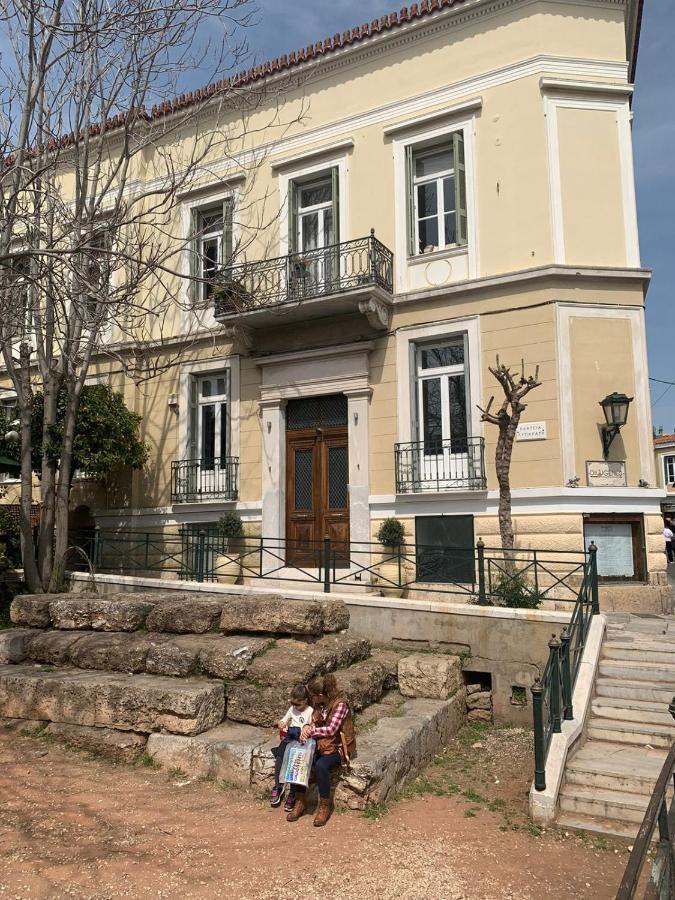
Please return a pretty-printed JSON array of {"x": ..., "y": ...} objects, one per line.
[
  {"x": 194, "y": 480},
  {"x": 440, "y": 465},
  {"x": 363, "y": 268}
]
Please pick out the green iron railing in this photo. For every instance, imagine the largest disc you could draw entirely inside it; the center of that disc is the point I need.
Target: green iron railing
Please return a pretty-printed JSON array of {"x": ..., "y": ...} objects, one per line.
[{"x": 552, "y": 692}]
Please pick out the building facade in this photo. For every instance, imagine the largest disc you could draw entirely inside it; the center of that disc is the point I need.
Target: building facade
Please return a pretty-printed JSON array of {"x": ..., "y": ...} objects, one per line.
[
  {"x": 458, "y": 186},
  {"x": 664, "y": 458}
]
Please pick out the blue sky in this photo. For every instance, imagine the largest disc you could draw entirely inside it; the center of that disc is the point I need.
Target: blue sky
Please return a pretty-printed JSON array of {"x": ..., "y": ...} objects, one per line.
[{"x": 288, "y": 24}]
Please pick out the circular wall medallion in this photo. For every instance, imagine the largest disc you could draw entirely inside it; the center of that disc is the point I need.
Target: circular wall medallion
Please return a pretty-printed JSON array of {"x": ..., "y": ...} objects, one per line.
[{"x": 438, "y": 272}]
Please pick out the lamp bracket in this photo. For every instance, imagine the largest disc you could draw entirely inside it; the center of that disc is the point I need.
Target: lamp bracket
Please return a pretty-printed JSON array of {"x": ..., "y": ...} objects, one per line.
[{"x": 609, "y": 432}]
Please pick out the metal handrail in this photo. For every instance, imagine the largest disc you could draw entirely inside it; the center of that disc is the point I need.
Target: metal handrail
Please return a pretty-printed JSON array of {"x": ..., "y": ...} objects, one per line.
[
  {"x": 662, "y": 878},
  {"x": 552, "y": 691},
  {"x": 334, "y": 269}
]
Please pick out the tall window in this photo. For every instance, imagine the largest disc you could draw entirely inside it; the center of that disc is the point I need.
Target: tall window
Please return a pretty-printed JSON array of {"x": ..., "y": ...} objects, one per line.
[
  {"x": 436, "y": 185},
  {"x": 669, "y": 469},
  {"x": 211, "y": 246},
  {"x": 313, "y": 212},
  {"x": 209, "y": 437},
  {"x": 20, "y": 306},
  {"x": 8, "y": 413},
  {"x": 441, "y": 397}
]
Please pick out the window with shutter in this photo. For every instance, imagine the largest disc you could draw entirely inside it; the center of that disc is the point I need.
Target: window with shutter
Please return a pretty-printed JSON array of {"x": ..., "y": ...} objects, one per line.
[
  {"x": 211, "y": 247},
  {"x": 436, "y": 195}
]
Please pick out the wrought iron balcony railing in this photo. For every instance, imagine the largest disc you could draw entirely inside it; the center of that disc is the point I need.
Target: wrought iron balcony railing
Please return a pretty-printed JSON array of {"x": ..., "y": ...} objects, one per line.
[
  {"x": 440, "y": 465},
  {"x": 193, "y": 480},
  {"x": 335, "y": 269}
]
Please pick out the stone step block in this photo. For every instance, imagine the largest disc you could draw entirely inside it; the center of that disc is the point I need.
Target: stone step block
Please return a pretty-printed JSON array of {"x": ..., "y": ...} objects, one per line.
[
  {"x": 617, "y": 732},
  {"x": 33, "y": 609},
  {"x": 638, "y": 652},
  {"x": 274, "y": 614},
  {"x": 580, "y": 822},
  {"x": 224, "y": 753},
  {"x": 188, "y": 615},
  {"x": 397, "y": 748},
  {"x": 632, "y": 711},
  {"x": 633, "y": 689},
  {"x": 118, "y": 746},
  {"x": 141, "y": 703},
  {"x": 216, "y": 655},
  {"x": 602, "y": 803},
  {"x": 640, "y": 671},
  {"x": 434, "y": 676},
  {"x": 51, "y": 648},
  {"x": 114, "y": 652},
  {"x": 619, "y": 767},
  {"x": 262, "y": 696},
  {"x": 78, "y": 613},
  {"x": 13, "y": 643}
]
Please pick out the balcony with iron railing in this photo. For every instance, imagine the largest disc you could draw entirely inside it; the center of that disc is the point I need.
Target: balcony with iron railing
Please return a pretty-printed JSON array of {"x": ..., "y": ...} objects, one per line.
[
  {"x": 194, "y": 480},
  {"x": 352, "y": 276},
  {"x": 440, "y": 465}
]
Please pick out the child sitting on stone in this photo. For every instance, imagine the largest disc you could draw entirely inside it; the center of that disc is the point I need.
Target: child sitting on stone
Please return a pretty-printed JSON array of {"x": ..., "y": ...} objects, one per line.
[{"x": 299, "y": 714}]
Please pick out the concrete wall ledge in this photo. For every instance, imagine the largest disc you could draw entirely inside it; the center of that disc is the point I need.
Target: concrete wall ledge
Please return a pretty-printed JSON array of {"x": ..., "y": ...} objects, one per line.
[{"x": 544, "y": 804}]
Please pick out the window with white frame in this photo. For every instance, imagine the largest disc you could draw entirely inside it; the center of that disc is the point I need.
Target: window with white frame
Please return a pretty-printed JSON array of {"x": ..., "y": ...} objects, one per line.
[
  {"x": 436, "y": 188},
  {"x": 211, "y": 246},
  {"x": 669, "y": 469},
  {"x": 313, "y": 230},
  {"x": 21, "y": 297},
  {"x": 209, "y": 419},
  {"x": 441, "y": 389}
]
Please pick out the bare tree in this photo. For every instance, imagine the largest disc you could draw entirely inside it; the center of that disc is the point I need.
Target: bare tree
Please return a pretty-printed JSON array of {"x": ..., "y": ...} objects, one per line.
[
  {"x": 507, "y": 419},
  {"x": 90, "y": 185}
]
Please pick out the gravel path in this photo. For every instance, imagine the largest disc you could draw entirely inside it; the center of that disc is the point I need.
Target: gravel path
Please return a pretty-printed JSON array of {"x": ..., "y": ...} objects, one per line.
[{"x": 72, "y": 826}]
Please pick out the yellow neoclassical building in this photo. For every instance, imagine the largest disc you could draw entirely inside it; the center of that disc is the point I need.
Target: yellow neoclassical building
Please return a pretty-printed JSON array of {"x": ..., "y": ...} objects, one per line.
[{"x": 456, "y": 182}]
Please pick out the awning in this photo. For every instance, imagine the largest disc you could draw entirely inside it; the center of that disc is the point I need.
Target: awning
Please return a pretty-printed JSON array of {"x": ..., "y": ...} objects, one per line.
[{"x": 11, "y": 466}]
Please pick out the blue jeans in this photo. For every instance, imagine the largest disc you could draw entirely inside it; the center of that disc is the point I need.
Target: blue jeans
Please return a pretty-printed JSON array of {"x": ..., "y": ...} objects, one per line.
[{"x": 322, "y": 767}]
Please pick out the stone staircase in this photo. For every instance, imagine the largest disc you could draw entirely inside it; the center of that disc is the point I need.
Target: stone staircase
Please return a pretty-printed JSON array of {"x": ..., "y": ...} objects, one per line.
[
  {"x": 198, "y": 681},
  {"x": 609, "y": 779}
]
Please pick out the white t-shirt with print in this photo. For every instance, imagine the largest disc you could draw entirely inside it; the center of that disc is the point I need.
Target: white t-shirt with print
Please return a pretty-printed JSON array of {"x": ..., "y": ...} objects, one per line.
[{"x": 296, "y": 719}]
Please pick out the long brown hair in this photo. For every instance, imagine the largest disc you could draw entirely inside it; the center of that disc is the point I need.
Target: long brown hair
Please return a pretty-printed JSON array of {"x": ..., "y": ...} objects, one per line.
[{"x": 326, "y": 685}]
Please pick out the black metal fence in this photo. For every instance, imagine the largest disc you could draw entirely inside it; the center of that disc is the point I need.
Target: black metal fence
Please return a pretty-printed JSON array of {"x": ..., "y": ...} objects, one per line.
[
  {"x": 193, "y": 480},
  {"x": 660, "y": 881},
  {"x": 474, "y": 574},
  {"x": 552, "y": 692},
  {"x": 301, "y": 276},
  {"x": 440, "y": 465}
]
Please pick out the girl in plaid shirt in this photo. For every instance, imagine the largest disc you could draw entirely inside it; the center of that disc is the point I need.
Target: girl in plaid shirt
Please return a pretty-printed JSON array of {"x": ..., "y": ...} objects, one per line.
[{"x": 333, "y": 730}]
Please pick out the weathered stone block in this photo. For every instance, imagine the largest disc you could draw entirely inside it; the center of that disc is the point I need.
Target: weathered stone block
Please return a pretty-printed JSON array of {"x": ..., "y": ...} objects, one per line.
[
  {"x": 271, "y": 614},
  {"x": 479, "y": 715},
  {"x": 51, "y": 647},
  {"x": 188, "y": 616},
  {"x": 31, "y": 610},
  {"x": 482, "y": 700},
  {"x": 433, "y": 677},
  {"x": 113, "y": 652},
  {"x": 473, "y": 689},
  {"x": 128, "y": 614},
  {"x": 335, "y": 615},
  {"x": 71, "y": 613},
  {"x": 224, "y": 753},
  {"x": 229, "y": 657},
  {"x": 119, "y": 746},
  {"x": 142, "y": 703},
  {"x": 13, "y": 643}
]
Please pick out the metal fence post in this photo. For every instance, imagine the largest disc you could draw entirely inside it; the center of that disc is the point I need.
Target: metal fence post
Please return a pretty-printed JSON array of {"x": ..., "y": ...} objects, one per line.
[
  {"x": 326, "y": 565},
  {"x": 480, "y": 551},
  {"x": 539, "y": 749},
  {"x": 536, "y": 573},
  {"x": 593, "y": 560},
  {"x": 554, "y": 648},
  {"x": 201, "y": 540},
  {"x": 96, "y": 550},
  {"x": 566, "y": 675}
]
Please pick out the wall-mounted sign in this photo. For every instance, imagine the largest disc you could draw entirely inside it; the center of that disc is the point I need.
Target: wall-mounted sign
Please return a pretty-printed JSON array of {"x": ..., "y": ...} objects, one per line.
[
  {"x": 600, "y": 473},
  {"x": 531, "y": 431}
]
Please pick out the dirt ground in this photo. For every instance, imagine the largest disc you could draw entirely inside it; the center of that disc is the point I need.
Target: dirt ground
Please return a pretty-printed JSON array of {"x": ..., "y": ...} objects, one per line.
[{"x": 75, "y": 826}]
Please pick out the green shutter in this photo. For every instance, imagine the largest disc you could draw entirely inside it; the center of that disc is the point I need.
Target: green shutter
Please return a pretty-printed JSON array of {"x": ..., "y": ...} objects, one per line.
[
  {"x": 335, "y": 194},
  {"x": 460, "y": 186},
  {"x": 194, "y": 257},
  {"x": 228, "y": 207},
  {"x": 192, "y": 418},
  {"x": 410, "y": 199},
  {"x": 292, "y": 217}
]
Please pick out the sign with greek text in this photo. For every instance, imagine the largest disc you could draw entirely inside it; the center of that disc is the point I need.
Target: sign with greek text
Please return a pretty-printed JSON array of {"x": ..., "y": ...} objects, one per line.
[
  {"x": 531, "y": 431},
  {"x": 600, "y": 473}
]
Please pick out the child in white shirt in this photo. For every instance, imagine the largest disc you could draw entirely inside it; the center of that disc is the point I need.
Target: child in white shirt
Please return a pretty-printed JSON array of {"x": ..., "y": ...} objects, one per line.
[{"x": 299, "y": 714}]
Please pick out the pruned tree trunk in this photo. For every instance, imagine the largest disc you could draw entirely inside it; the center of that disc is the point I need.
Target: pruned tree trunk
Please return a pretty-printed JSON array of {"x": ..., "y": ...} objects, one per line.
[{"x": 507, "y": 420}]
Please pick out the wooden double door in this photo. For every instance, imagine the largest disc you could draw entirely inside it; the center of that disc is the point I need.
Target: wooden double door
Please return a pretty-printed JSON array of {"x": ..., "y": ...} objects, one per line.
[{"x": 317, "y": 491}]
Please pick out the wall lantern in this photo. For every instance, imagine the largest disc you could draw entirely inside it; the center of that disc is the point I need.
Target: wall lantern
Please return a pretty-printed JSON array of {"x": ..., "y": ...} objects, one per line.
[{"x": 615, "y": 408}]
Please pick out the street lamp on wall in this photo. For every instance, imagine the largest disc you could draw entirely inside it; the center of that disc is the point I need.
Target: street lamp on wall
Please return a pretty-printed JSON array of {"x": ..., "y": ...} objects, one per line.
[{"x": 615, "y": 407}]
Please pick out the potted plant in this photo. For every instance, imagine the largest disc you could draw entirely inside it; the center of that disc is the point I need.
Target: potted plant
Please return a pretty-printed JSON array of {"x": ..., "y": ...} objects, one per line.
[
  {"x": 392, "y": 570},
  {"x": 228, "y": 563}
]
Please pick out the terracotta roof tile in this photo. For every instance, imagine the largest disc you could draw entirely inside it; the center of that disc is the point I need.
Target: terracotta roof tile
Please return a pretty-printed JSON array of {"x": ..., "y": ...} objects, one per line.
[{"x": 664, "y": 439}]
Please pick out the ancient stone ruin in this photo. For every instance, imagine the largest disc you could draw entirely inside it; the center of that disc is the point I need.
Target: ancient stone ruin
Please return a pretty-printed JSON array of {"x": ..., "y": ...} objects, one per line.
[{"x": 197, "y": 682}]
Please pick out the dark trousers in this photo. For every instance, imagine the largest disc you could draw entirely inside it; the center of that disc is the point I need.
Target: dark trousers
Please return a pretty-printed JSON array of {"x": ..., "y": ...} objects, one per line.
[
  {"x": 669, "y": 550},
  {"x": 293, "y": 734},
  {"x": 322, "y": 767}
]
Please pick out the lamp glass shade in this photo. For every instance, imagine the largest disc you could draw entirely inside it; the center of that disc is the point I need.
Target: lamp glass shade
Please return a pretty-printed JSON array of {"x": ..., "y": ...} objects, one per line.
[{"x": 615, "y": 408}]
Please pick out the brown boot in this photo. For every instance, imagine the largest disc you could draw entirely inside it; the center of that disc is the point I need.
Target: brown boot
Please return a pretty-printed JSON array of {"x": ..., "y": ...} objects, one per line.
[
  {"x": 298, "y": 808},
  {"x": 323, "y": 813}
]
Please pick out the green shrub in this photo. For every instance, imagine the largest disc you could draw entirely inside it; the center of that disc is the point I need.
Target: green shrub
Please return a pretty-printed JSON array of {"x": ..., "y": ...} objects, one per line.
[
  {"x": 515, "y": 592},
  {"x": 10, "y": 539},
  {"x": 391, "y": 533},
  {"x": 231, "y": 526}
]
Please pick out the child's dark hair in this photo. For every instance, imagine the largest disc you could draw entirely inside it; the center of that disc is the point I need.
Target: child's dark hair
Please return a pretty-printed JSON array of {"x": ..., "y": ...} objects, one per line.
[{"x": 300, "y": 694}]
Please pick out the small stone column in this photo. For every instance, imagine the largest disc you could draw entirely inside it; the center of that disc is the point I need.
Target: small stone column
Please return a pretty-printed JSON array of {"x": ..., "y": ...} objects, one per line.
[{"x": 273, "y": 422}]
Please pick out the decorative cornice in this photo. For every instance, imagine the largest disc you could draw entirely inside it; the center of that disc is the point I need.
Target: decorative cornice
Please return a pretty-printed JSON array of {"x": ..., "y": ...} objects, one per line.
[
  {"x": 457, "y": 109},
  {"x": 598, "y": 88}
]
